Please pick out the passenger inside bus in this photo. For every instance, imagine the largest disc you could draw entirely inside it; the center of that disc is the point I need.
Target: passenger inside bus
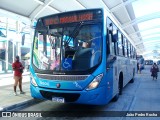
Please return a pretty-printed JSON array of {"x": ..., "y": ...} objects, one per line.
[{"x": 86, "y": 45}]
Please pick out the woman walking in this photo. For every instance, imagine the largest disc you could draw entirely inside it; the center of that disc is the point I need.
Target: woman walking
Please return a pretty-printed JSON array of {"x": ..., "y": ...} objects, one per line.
[{"x": 154, "y": 70}]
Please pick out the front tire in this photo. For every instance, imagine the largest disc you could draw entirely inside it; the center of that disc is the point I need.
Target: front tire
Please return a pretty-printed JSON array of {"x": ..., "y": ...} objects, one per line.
[
  {"x": 120, "y": 88},
  {"x": 116, "y": 97}
]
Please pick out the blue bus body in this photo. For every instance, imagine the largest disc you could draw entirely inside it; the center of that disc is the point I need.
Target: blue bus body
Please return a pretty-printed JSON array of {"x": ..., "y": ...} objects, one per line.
[
  {"x": 148, "y": 62},
  {"x": 158, "y": 62},
  {"x": 96, "y": 86}
]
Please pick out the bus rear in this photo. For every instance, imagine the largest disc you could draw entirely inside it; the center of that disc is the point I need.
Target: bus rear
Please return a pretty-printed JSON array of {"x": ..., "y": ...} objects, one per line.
[{"x": 68, "y": 60}]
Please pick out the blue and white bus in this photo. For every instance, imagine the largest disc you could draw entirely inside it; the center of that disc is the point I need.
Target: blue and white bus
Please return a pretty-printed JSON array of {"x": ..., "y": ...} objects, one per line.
[
  {"x": 149, "y": 62},
  {"x": 80, "y": 57}
]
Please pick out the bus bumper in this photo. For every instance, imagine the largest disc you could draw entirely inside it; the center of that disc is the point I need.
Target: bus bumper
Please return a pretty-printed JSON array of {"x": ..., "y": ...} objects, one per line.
[{"x": 93, "y": 97}]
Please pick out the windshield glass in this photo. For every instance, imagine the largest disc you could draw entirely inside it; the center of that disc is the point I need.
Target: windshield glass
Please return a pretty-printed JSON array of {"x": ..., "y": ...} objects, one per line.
[{"x": 67, "y": 48}]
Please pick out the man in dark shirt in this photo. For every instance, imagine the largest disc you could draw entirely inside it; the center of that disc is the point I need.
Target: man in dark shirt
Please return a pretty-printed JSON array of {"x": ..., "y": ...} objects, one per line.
[{"x": 18, "y": 70}]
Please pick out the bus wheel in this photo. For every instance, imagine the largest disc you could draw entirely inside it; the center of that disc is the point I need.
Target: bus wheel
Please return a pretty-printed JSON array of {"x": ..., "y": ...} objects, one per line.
[
  {"x": 120, "y": 87},
  {"x": 115, "y": 98}
]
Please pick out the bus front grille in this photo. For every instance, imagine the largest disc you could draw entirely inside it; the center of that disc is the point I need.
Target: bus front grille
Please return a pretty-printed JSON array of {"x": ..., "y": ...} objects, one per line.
[
  {"x": 62, "y": 77},
  {"x": 69, "y": 97}
]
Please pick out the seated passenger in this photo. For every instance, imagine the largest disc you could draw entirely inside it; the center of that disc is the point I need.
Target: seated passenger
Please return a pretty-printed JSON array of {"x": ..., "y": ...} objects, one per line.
[{"x": 85, "y": 45}]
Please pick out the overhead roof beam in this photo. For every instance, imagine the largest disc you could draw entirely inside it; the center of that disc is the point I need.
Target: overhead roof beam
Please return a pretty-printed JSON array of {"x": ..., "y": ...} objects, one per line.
[
  {"x": 139, "y": 31},
  {"x": 139, "y": 43},
  {"x": 108, "y": 9},
  {"x": 145, "y": 41},
  {"x": 40, "y": 2},
  {"x": 121, "y": 5},
  {"x": 156, "y": 33},
  {"x": 156, "y": 40},
  {"x": 78, "y": 1},
  {"x": 141, "y": 19},
  {"x": 152, "y": 46},
  {"x": 41, "y": 8},
  {"x": 149, "y": 39}
]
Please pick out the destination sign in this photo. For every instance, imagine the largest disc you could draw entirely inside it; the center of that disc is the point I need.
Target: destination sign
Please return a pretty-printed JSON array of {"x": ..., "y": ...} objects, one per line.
[
  {"x": 71, "y": 17},
  {"x": 68, "y": 19}
]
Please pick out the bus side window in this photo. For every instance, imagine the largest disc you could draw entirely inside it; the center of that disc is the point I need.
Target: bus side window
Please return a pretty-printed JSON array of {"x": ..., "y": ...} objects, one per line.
[
  {"x": 125, "y": 47},
  {"x": 123, "y": 42},
  {"x": 132, "y": 52},
  {"x": 109, "y": 36},
  {"x": 129, "y": 49},
  {"x": 120, "y": 44},
  {"x": 112, "y": 44},
  {"x": 115, "y": 40}
]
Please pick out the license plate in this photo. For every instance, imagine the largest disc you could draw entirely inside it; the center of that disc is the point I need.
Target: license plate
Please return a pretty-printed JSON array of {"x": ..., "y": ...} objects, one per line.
[{"x": 58, "y": 99}]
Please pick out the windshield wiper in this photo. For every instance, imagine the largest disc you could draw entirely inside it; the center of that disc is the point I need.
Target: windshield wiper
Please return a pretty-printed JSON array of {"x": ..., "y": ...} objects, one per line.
[{"x": 73, "y": 34}]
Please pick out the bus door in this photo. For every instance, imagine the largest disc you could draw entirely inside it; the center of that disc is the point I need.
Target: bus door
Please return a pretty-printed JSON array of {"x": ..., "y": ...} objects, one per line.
[{"x": 111, "y": 64}]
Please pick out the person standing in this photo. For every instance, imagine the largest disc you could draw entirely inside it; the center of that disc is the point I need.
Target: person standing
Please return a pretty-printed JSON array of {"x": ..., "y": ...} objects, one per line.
[
  {"x": 18, "y": 70},
  {"x": 140, "y": 68},
  {"x": 154, "y": 70},
  {"x": 137, "y": 67}
]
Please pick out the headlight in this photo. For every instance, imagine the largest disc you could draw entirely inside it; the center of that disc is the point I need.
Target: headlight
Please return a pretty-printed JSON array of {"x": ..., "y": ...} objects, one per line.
[
  {"x": 95, "y": 82},
  {"x": 33, "y": 81}
]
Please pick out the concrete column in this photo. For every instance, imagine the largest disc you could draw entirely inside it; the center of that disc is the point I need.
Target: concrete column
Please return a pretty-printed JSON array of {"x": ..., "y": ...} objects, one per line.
[
  {"x": 6, "y": 46},
  {"x": 13, "y": 50},
  {"x": 19, "y": 49},
  {"x": 31, "y": 36}
]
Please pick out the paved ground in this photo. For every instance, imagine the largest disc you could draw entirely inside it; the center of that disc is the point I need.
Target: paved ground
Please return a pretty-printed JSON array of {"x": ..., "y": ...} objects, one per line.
[
  {"x": 7, "y": 99},
  {"x": 7, "y": 79}
]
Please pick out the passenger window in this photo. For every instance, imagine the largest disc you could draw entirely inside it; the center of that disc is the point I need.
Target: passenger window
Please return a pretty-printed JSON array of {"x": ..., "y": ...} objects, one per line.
[
  {"x": 112, "y": 39},
  {"x": 115, "y": 39},
  {"x": 132, "y": 52},
  {"x": 125, "y": 47},
  {"x": 129, "y": 50},
  {"x": 120, "y": 46},
  {"x": 109, "y": 37}
]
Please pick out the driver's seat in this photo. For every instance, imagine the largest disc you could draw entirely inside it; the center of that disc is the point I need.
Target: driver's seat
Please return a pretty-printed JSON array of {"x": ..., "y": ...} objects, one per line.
[{"x": 82, "y": 59}]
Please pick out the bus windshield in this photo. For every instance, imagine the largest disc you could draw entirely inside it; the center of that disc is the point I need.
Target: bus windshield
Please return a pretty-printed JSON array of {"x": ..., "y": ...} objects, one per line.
[{"x": 68, "y": 47}]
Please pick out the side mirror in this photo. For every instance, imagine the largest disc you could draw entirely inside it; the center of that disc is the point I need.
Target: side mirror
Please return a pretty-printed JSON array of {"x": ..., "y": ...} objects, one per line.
[{"x": 111, "y": 58}]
